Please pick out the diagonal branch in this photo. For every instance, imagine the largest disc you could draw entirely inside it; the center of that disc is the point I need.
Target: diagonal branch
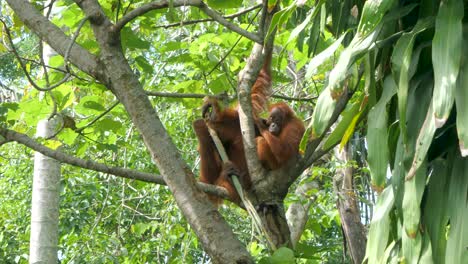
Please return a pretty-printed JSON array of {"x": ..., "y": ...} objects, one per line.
[
  {"x": 179, "y": 3},
  {"x": 23, "y": 139}
]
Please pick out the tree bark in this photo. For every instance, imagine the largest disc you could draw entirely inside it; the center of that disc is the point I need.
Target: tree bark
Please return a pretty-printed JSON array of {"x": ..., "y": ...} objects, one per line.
[
  {"x": 354, "y": 231},
  {"x": 45, "y": 202}
]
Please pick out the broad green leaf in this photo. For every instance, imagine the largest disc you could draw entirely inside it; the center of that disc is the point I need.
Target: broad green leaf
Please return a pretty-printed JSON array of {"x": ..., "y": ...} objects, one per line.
[
  {"x": 461, "y": 102},
  {"x": 426, "y": 251},
  {"x": 312, "y": 13},
  {"x": 435, "y": 210},
  {"x": 423, "y": 142},
  {"x": 280, "y": 17},
  {"x": 132, "y": 40},
  {"x": 457, "y": 205},
  {"x": 144, "y": 64},
  {"x": 90, "y": 104},
  {"x": 319, "y": 59},
  {"x": 419, "y": 99},
  {"x": 107, "y": 124},
  {"x": 283, "y": 255},
  {"x": 414, "y": 190},
  {"x": 411, "y": 247},
  {"x": 446, "y": 53},
  {"x": 377, "y": 136},
  {"x": 347, "y": 117},
  {"x": 380, "y": 227},
  {"x": 401, "y": 60},
  {"x": 322, "y": 113},
  {"x": 388, "y": 251},
  {"x": 222, "y": 4},
  {"x": 301, "y": 27},
  {"x": 345, "y": 127},
  {"x": 339, "y": 73},
  {"x": 372, "y": 13}
]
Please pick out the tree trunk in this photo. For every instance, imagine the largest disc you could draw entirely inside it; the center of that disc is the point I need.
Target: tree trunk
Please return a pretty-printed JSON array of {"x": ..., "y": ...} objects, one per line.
[
  {"x": 45, "y": 202},
  {"x": 354, "y": 231}
]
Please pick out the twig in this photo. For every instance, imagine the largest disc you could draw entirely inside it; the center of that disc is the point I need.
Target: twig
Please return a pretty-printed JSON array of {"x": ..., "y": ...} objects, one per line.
[
  {"x": 233, "y": 46},
  {"x": 23, "y": 67},
  {"x": 196, "y": 21},
  {"x": 178, "y": 3},
  {"x": 79, "y": 130}
]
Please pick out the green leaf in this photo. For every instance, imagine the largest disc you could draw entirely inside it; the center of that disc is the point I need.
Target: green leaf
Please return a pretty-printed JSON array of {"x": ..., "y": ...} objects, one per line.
[
  {"x": 446, "y": 54},
  {"x": 461, "y": 102},
  {"x": 280, "y": 17},
  {"x": 372, "y": 14},
  {"x": 401, "y": 60},
  {"x": 107, "y": 124},
  {"x": 222, "y": 4},
  {"x": 283, "y": 255},
  {"x": 322, "y": 113},
  {"x": 357, "y": 47},
  {"x": 411, "y": 247},
  {"x": 380, "y": 227},
  {"x": 377, "y": 136},
  {"x": 94, "y": 105},
  {"x": 426, "y": 251},
  {"x": 133, "y": 41},
  {"x": 435, "y": 209},
  {"x": 457, "y": 205},
  {"x": 319, "y": 59},
  {"x": 414, "y": 189},
  {"x": 423, "y": 142},
  {"x": 346, "y": 122},
  {"x": 144, "y": 64}
]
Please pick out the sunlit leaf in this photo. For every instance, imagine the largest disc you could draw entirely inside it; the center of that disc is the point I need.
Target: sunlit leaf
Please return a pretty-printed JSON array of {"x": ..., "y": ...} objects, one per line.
[
  {"x": 380, "y": 227},
  {"x": 377, "y": 136},
  {"x": 446, "y": 52}
]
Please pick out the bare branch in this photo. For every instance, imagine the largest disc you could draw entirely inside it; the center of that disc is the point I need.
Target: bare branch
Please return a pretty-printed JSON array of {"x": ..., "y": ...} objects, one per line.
[
  {"x": 196, "y": 21},
  {"x": 284, "y": 97},
  {"x": 55, "y": 37},
  {"x": 23, "y": 139},
  {"x": 188, "y": 95},
  {"x": 178, "y": 3}
]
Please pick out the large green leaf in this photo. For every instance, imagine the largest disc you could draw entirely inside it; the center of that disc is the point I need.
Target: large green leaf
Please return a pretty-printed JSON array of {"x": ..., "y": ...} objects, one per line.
[
  {"x": 222, "y": 4},
  {"x": 319, "y": 59},
  {"x": 401, "y": 60},
  {"x": 322, "y": 113},
  {"x": 457, "y": 206},
  {"x": 380, "y": 227},
  {"x": 414, "y": 190},
  {"x": 461, "y": 101},
  {"x": 423, "y": 142},
  {"x": 372, "y": 14},
  {"x": 411, "y": 248},
  {"x": 435, "y": 212},
  {"x": 338, "y": 75},
  {"x": 446, "y": 53},
  {"x": 377, "y": 136}
]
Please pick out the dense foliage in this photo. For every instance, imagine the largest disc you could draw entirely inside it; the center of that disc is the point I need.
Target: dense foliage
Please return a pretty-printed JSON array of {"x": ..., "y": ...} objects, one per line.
[{"x": 402, "y": 62}]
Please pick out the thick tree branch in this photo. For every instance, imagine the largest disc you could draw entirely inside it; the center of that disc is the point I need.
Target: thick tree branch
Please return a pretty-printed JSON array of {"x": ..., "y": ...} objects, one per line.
[
  {"x": 23, "y": 139},
  {"x": 178, "y": 3},
  {"x": 55, "y": 37},
  {"x": 246, "y": 81}
]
